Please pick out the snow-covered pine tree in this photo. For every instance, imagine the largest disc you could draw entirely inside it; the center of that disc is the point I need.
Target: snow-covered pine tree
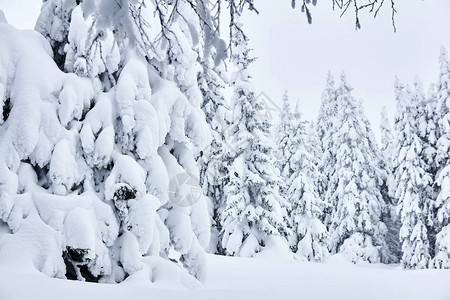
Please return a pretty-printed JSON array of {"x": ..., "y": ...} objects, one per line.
[
  {"x": 45, "y": 203},
  {"x": 310, "y": 236},
  {"x": 442, "y": 204},
  {"x": 284, "y": 139},
  {"x": 356, "y": 228},
  {"x": 427, "y": 125},
  {"x": 411, "y": 180},
  {"x": 325, "y": 128},
  {"x": 254, "y": 210},
  {"x": 385, "y": 177},
  {"x": 283, "y": 134},
  {"x": 103, "y": 158},
  {"x": 389, "y": 216},
  {"x": 213, "y": 160},
  {"x": 314, "y": 148},
  {"x": 386, "y": 147},
  {"x": 313, "y": 142}
]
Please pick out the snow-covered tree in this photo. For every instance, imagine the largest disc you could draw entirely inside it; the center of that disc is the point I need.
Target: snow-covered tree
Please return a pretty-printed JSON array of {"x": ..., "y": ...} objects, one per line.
[
  {"x": 442, "y": 204},
  {"x": 356, "y": 229},
  {"x": 386, "y": 136},
  {"x": 284, "y": 135},
  {"x": 112, "y": 153},
  {"x": 254, "y": 211},
  {"x": 386, "y": 149},
  {"x": 389, "y": 216},
  {"x": 411, "y": 179},
  {"x": 442, "y": 254},
  {"x": 213, "y": 160},
  {"x": 310, "y": 236},
  {"x": 427, "y": 126},
  {"x": 326, "y": 128},
  {"x": 46, "y": 196}
]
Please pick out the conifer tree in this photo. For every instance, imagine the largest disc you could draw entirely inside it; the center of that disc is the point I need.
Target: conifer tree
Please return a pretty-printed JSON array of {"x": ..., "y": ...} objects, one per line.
[
  {"x": 310, "y": 236},
  {"x": 326, "y": 128},
  {"x": 412, "y": 181},
  {"x": 213, "y": 160},
  {"x": 118, "y": 132},
  {"x": 386, "y": 137},
  {"x": 356, "y": 229},
  {"x": 427, "y": 125},
  {"x": 442, "y": 204},
  {"x": 283, "y": 133},
  {"x": 254, "y": 210},
  {"x": 389, "y": 216},
  {"x": 284, "y": 138}
]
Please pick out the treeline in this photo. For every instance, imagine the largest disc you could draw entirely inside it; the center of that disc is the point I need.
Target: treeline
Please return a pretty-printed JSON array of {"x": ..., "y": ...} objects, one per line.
[{"x": 335, "y": 190}]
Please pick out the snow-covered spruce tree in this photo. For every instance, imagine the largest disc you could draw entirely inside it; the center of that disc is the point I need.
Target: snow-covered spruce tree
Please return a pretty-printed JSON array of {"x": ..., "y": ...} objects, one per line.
[
  {"x": 427, "y": 126},
  {"x": 386, "y": 150},
  {"x": 389, "y": 216},
  {"x": 387, "y": 137},
  {"x": 411, "y": 181},
  {"x": 110, "y": 142},
  {"x": 213, "y": 160},
  {"x": 356, "y": 228},
  {"x": 283, "y": 134},
  {"x": 254, "y": 210},
  {"x": 310, "y": 236},
  {"x": 314, "y": 148},
  {"x": 45, "y": 203},
  {"x": 442, "y": 204},
  {"x": 326, "y": 128}
]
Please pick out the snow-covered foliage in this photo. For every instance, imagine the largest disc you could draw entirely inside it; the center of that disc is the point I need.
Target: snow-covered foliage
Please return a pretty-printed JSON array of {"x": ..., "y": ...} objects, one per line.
[
  {"x": 310, "y": 236},
  {"x": 284, "y": 135},
  {"x": 411, "y": 179},
  {"x": 254, "y": 210},
  {"x": 427, "y": 126},
  {"x": 103, "y": 151},
  {"x": 442, "y": 256},
  {"x": 48, "y": 198},
  {"x": 356, "y": 229},
  {"x": 54, "y": 23},
  {"x": 389, "y": 216},
  {"x": 214, "y": 159},
  {"x": 387, "y": 137},
  {"x": 442, "y": 204},
  {"x": 326, "y": 129}
]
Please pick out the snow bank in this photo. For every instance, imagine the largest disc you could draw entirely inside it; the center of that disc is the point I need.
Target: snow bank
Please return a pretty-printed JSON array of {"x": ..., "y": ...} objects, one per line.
[{"x": 244, "y": 278}]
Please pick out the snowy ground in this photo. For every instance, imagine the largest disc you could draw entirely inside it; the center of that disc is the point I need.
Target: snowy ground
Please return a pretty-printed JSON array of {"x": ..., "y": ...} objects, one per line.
[{"x": 244, "y": 278}]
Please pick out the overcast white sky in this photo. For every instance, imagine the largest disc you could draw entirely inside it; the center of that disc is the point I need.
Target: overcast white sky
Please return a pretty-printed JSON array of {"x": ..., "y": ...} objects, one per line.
[{"x": 295, "y": 56}]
